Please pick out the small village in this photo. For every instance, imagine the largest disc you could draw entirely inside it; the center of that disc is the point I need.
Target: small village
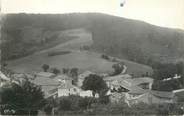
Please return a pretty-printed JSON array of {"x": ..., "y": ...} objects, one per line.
[
  {"x": 92, "y": 61},
  {"x": 123, "y": 87}
]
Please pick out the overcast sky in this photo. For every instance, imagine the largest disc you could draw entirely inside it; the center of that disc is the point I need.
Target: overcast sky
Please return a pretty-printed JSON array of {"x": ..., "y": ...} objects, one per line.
[{"x": 167, "y": 13}]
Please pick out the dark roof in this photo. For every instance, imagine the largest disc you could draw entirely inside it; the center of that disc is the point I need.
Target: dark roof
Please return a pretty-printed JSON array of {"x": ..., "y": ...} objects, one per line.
[
  {"x": 47, "y": 84},
  {"x": 179, "y": 93},
  {"x": 162, "y": 94},
  {"x": 127, "y": 85},
  {"x": 117, "y": 77},
  {"x": 137, "y": 90},
  {"x": 62, "y": 77},
  {"x": 138, "y": 81},
  {"x": 66, "y": 85}
]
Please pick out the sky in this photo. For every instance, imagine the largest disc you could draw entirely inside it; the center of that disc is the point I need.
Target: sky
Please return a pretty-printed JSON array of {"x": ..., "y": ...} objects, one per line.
[{"x": 166, "y": 13}]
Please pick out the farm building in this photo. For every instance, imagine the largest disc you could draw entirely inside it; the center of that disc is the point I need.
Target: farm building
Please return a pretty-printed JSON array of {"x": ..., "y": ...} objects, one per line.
[
  {"x": 47, "y": 84},
  {"x": 149, "y": 97},
  {"x": 45, "y": 74},
  {"x": 66, "y": 89},
  {"x": 179, "y": 95},
  {"x": 136, "y": 90}
]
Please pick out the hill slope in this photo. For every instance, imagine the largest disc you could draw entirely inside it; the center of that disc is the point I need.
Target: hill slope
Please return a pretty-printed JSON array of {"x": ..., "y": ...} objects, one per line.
[
  {"x": 125, "y": 38},
  {"x": 84, "y": 60}
]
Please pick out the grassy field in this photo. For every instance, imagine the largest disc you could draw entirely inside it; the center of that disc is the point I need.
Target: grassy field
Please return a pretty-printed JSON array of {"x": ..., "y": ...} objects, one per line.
[{"x": 84, "y": 60}]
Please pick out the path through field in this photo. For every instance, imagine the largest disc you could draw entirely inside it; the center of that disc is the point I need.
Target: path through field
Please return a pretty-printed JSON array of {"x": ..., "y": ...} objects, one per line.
[
  {"x": 84, "y": 60},
  {"x": 81, "y": 59}
]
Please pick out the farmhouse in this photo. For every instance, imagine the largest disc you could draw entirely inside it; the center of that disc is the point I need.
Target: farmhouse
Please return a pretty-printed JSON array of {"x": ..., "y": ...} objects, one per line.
[
  {"x": 179, "y": 95},
  {"x": 66, "y": 89},
  {"x": 45, "y": 74},
  {"x": 136, "y": 90},
  {"x": 47, "y": 84},
  {"x": 63, "y": 78},
  {"x": 60, "y": 85},
  {"x": 112, "y": 79},
  {"x": 128, "y": 83},
  {"x": 143, "y": 82},
  {"x": 149, "y": 97}
]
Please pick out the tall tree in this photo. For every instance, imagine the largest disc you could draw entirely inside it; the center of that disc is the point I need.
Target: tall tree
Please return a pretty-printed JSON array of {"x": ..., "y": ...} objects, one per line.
[
  {"x": 74, "y": 75},
  {"x": 94, "y": 83},
  {"x": 55, "y": 71},
  {"x": 118, "y": 68},
  {"x": 45, "y": 67}
]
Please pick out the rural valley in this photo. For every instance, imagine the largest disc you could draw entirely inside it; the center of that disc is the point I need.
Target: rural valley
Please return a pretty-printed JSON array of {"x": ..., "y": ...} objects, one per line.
[{"x": 89, "y": 64}]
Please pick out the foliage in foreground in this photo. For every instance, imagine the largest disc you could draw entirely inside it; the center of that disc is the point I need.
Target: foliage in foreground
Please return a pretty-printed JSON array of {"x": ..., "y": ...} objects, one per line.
[
  {"x": 26, "y": 98},
  {"x": 139, "y": 109},
  {"x": 76, "y": 105}
]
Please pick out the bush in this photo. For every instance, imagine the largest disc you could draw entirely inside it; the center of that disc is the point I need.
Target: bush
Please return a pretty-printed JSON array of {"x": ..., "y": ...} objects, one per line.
[
  {"x": 105, "y": 57},
  {"x": 104, "y": 99},
  {"x": 138, "y": 109},
  {"x": 65, "y": 104},
  {"x": 55, "y": 53},
  {"x": 86, "y": 102},
  {"x": 75, "y": 103},
  {"x": 45, "y": 67},
  {"x": 55, "y": 71}
]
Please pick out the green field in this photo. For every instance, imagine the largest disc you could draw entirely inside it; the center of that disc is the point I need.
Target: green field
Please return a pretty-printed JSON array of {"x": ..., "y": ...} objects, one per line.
[{"x": 84, "y": 60}]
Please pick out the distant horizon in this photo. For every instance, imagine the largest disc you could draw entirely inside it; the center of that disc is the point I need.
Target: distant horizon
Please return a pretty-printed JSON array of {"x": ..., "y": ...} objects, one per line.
[
  {"x": 92, "y": 13},
  {"x": 163, "y": 13}
]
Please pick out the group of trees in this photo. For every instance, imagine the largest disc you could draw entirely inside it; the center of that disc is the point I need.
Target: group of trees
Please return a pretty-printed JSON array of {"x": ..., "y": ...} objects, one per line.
[
  {"x": 164, "y": 71},
  {"x": 167, "y": 70},
  {"x": 26, "y": 98},
  {"x": 118, "y": 68},
  {"x": 95, "y": 83},
  {"x": 140, "y": 109},
  {"x": 169, "y": 85},
  {"x": 46, "y": 67},
  {"x": 73, "y": 72}
]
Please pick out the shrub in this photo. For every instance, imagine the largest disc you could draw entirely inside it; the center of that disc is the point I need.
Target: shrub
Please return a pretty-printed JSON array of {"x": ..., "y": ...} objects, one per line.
[
  {"x": 65, "y": 104},
  {"x": 55, "y": 71},
  {"x": 105, "y": 57},
  {"x": 84, "y": 103},
  {"x": 45, "y": 67},
  {"x": 75, "y": 103},
  {"x": 55, "y": 53}
]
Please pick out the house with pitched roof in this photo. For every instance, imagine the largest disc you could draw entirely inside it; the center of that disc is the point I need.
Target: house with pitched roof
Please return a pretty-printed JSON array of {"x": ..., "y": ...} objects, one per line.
[
  {"x": 143, "y": 82},
  {"x": 136, "y": 90},
  {"x": 47, "y": 84},
  {"x": 58, "y": 86},
  {"x": 114, "y": 79},
  {"x": 149, "y": 97},
  {"x": 45, "y": 74},
  {"x": 127, "y": 83},
  {"x": 179, "y": 95},
  {"x": 66, "y": 89}
]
